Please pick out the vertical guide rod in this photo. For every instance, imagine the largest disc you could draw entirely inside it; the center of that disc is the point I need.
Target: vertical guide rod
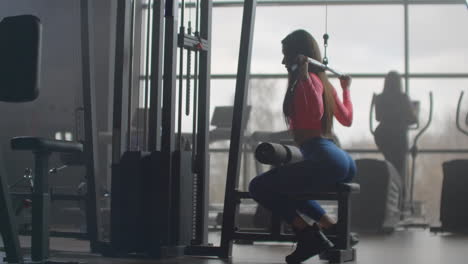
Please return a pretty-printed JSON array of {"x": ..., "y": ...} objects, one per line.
[
  {"x": 131, "y": 97},
  {"x": 121, "y": 80},
  {"x": 181, "y": 77},
  {"x": 181, "y": 83},
  {"x": 201, "y": 159},
  {"x": 156, "y": 76},
  {"x": 93, "y": 217},
  {"x": 242, "y": 83},
  {"x": 168, "y": 118},
  {"x": 147, "y": 75},
  {"x": 195, "y": 85},
  {"x": 189, "y": 77},
  {"x": 200, "y": 197}
]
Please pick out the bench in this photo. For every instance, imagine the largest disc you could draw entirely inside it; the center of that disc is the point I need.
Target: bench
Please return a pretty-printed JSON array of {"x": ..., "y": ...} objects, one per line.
[
  {"x": 42, "y": 149},
  {"x": 280, "y": 154},
  {"x": 342, "y": 252}
]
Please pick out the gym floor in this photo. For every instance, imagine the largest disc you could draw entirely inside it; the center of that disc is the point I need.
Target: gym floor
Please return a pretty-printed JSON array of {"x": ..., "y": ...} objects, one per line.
[{"x": 410, "y": 246}]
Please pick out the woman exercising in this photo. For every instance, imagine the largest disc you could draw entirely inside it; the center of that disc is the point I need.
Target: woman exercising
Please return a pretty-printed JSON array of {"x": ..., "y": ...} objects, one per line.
[
  {"x": 395, "y": 112},
  {"x": 309, "y": 105}
]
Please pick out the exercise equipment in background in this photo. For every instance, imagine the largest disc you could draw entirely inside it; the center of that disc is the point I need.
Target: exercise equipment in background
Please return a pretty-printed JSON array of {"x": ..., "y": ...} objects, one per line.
[
  {"x": 453, "y": 201},
  {"x": 20, "y": 43},
  {"x": 377, "y": 208}
]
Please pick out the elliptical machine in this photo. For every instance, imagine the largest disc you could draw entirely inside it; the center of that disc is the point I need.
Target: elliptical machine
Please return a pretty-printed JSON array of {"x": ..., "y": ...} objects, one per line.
[
  {"x": 413, "y": 211},
  {"x": 453, "y": 214},
  {"x": 386, "y": 195}
]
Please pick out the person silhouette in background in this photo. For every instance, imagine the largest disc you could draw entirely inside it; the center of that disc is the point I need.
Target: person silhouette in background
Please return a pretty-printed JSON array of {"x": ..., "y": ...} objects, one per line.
[{"x": 394, "y": 111}]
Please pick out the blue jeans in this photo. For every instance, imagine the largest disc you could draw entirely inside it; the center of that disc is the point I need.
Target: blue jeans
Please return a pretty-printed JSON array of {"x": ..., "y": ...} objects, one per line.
[{"x": 324, "y": 164}]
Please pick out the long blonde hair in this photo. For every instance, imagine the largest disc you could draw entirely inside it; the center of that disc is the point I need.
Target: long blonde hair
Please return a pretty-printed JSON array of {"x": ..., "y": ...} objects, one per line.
[{"x": 301, "y": 42}]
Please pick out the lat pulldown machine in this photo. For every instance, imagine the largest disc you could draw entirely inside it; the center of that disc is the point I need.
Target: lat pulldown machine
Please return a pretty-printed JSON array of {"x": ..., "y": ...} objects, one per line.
[{"x": 169, "y": 177}]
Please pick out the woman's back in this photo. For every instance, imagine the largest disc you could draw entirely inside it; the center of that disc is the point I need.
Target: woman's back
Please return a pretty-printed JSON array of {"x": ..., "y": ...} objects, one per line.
[{"x": 394, "y": 110}]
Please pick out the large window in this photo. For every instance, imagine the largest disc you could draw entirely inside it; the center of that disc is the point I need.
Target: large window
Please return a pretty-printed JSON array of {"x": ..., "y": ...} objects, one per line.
[
  {"x": 438, "y": 39},
  {"x": 353, "y": 40},
  {"x": 225, "y": 39},
  {"x": 367, "y": 41}
]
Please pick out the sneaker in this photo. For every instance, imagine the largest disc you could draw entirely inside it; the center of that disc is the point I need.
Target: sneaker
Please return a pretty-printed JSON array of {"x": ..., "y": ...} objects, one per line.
[{"x": 310, "y": 242}]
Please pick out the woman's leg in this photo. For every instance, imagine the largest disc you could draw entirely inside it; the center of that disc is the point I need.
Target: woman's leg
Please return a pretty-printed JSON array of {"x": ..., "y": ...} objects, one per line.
[
  {"x": 324, "y": 222},
  {"x": 269, "y": 190},
  {"x": 311, "y": 175},
  {"x": 328, "y": 166},
  {"x": 393, "y": 143},
  {"x": 349, "y": 171}
]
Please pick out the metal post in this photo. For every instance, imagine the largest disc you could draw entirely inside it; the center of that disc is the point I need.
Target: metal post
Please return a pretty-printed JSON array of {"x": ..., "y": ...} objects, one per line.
[
  {"x": 406, "y": 22},
  {"x": 202, "y": 154},
  {"x": 121, "y": 80},
  {"x": 154, "y": 140},
  {"x": 147, "y": 61},
  {"x": 93, "y": 216},
  {"x": 135, "y": 141},
  {"x": 242, "y": 84},
  {"x": 406, "y": 39},
  {"x": 344, "y": 223},
  {"x": 8, "y": 230},
  {"x": 40, "y": 210},
  {"x": 168, "y": 121}
]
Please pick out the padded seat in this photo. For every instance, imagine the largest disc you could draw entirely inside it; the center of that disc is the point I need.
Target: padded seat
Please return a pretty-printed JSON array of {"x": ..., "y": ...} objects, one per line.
[
  {"x": 348, "y": 187},
  {"x": 45, "y": 145}
]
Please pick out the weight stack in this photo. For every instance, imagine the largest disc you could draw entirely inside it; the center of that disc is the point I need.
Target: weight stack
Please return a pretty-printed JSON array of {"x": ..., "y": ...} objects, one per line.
[
  {"x": 454, "y": 199},
  {"x": 127, "y": 204},
  {"x": 140, "y": 208},
  {"x": 377, "y": 207},
  {"x": 159, "y": 241}
]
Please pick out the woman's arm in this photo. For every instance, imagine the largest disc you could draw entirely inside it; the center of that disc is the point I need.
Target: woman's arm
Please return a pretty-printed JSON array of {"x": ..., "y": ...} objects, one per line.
[
  {"x": 344, "y": 110},
  {"x": 411, "y": 111}
]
